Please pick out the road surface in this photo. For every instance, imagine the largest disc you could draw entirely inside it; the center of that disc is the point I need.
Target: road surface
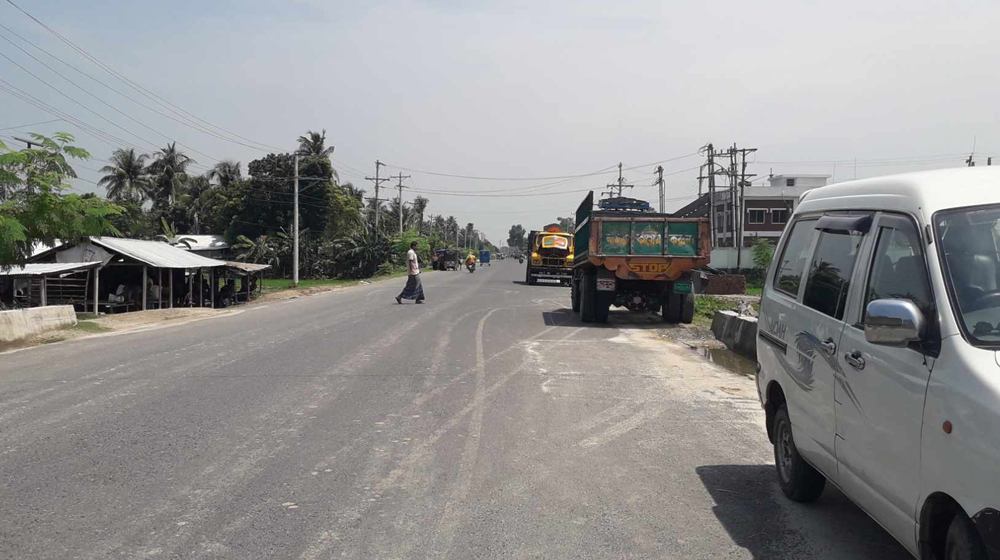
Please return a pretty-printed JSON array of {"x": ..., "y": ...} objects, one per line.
[{"x": 488, "y": 423}]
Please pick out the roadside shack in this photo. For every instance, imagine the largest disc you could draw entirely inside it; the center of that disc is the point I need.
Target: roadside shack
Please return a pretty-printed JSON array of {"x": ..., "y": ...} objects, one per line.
[
  {"x": 42, "y": 284},
  {"x": 135, "y": 274}
]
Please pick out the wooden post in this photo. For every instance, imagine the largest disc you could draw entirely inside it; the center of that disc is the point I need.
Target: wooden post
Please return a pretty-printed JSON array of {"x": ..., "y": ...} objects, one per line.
[
  {"x": 144, "y": 280},
  {"x": 97, "y": 277},
  {"x": 159, "y": 279},
  {"x": 45, "y": 289},
  {"x": 248, "y": 276},
  {"x": 201, "y": 289},
  {"x": 214, "y": 283},
  {"x": 172, "y": 295},
  {"x": 191, "y": 288}
]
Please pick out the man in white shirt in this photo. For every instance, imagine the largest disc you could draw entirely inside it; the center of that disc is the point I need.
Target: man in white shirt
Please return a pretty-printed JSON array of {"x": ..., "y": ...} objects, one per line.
[{"x": 414, "y": 289}]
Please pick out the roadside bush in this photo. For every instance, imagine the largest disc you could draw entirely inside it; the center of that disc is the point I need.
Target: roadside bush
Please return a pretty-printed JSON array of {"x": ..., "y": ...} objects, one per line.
[{"x": 763, "y": 252}]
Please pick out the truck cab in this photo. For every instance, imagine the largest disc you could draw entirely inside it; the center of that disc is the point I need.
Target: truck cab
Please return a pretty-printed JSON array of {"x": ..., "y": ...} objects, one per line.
[{"x": 551, "y": 255}]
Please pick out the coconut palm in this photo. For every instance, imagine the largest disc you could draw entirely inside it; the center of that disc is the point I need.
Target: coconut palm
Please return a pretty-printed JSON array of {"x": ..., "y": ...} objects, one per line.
[
  {"x": 226, "y": 172},
  {"x": 451, "y": 226},
  {"x": 419, "y": 207},
  {"x": 170, "y": 168},
  {"x": 314, "y": 144},
  {"x": 126, "y": 178}
]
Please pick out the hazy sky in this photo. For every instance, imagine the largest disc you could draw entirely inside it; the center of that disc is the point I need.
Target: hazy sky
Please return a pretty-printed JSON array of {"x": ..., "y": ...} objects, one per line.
[{"x": 532, "y": 88}]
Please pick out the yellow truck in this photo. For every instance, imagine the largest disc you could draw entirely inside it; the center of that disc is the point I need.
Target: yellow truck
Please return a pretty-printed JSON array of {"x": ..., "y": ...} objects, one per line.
[
  {"x": 628, "y": 256},
  {"x": 550, "y": 255}
]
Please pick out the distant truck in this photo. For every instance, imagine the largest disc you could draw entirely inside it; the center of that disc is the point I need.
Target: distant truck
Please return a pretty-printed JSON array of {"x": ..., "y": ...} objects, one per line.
[
  {"x": 550, "y": 255},
  {"x": 628, "y": 256}
]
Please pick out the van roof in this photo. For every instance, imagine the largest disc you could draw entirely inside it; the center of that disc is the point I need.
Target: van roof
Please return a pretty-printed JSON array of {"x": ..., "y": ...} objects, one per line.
[{"x": 921, "y": 193}]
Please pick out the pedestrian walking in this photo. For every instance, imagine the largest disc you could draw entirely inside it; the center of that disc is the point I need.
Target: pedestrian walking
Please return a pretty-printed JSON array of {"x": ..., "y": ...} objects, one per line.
[{"x": 414, "y": 289}]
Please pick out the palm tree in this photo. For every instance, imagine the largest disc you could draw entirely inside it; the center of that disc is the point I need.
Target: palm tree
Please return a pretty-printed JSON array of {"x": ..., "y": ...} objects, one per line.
[
  {"x": 126, "y": 177},
  {"x": 451, "y": 226},
  {"x": 314, "y": 144},
  {"x": 170, "y": 167},
  {"x": 419, "y": 207},
  {"x": 226, "y": 172}
]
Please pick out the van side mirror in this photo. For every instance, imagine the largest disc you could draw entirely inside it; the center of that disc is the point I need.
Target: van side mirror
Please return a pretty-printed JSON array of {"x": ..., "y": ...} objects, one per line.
[{"x": 894, "y": 322}]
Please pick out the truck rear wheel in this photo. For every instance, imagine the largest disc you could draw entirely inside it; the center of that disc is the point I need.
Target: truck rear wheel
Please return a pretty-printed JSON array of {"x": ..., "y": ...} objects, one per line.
[
  {"x": 574, "y": 294},
  {"x": 588, "y": 298},
  {"x": 672, "y": 308},
  {"x": 602, "y": 305},
  {"x": 687, "y": 309}
]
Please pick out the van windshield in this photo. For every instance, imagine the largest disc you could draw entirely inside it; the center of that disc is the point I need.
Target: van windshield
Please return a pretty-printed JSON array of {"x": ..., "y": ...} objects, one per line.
[{"x": 971, "y": 262}]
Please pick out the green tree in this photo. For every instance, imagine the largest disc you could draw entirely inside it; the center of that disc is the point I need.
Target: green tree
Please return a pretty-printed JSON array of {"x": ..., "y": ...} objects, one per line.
[
  {"x": 34, "y": 205},
  {"x": 567, "y": 224},
  {"x": 314, "y": 144},
  {"x": 225, "y": 173},
  {"x": 419, "y": 207},
  {"x": 763, "y": 252},
  {"x": 516, "y": 237},
  {"x": 125, "y": 178},
  {"x": 169, "y": 168}
]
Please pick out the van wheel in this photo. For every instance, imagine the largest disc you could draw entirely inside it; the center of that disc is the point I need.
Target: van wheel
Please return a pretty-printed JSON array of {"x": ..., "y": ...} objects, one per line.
[
  {"x": 798, "y": 479},
  {"x": 574, "y": 294},
  {"x": 963, "y": 542}
]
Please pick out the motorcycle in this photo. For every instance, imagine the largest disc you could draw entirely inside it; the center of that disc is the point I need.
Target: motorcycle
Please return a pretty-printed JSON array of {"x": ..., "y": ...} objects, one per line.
[{"x": 471, "y": 267}]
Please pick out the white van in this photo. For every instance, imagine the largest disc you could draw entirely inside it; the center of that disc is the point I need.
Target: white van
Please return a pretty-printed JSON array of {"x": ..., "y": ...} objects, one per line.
[{"x": 878, "y": 362}]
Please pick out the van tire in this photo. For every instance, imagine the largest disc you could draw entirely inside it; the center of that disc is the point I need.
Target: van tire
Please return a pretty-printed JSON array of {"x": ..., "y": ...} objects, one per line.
[
  {"x": 963, "y": 542},
  {"x": 574, "y": 294},
  {"x": 687, "y": 309},
  {"x": 797, "y": 478}
]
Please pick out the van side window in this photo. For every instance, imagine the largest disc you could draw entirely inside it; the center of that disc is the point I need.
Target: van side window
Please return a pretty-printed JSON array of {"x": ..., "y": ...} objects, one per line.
[
  {"x": 794, "y": 257},
  {"x": 897, "y": 269},
  {"x": 830, "y": 272}
]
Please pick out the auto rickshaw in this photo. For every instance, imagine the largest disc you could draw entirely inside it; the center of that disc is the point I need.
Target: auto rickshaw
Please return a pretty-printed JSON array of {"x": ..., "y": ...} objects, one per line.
[{"x": 484, "y": 257}]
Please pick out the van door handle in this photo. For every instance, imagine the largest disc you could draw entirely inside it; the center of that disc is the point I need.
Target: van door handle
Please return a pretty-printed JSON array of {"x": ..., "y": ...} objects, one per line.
[
  {"x": 855, "y": 359},
  {"x": 829, "y": 346}
]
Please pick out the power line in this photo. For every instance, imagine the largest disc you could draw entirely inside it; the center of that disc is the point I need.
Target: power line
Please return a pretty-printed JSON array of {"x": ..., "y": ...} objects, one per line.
[
  {"x": 105, "y": 103},
  {"x": 31, "y": 124},
  {"x": 481, "y": 178},
  {"x": 143, "y": 91}
]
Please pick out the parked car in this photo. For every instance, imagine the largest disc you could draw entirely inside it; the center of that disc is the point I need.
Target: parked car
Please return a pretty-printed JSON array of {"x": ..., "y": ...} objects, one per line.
[{"x": 878, "y": 363}]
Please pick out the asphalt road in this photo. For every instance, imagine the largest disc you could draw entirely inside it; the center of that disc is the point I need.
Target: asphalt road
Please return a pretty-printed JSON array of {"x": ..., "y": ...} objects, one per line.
[{"x": 488, "y": 423}]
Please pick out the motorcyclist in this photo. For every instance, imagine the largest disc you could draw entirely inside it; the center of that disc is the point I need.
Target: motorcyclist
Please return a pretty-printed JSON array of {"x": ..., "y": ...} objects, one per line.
[{"x": 470, "y": 261}]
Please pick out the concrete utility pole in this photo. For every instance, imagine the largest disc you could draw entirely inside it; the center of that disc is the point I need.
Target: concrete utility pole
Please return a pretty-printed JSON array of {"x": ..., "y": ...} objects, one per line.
[
  {"x": 615, "y": 189},
  {"x": 743, "y": 183},
  {"x": 659, "y": 181},
  {"x": 400, "y": 186},
  {"x": 710, "y": 153},
  {"x": 378, "y": 184},
  {"x": 295, "y": 229}
]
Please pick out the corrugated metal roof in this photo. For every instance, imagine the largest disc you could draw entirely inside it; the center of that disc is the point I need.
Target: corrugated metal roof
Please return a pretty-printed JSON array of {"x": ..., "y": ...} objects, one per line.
[
  {"x": 45, "y": 269},
  {"x": 201, "y": 242},
  {"x": 247, "y": 267},
  {"x": 156, "y": 253}
]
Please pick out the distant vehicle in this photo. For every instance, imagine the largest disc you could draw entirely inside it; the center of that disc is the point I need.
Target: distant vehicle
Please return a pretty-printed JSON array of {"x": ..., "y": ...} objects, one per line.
[
  {"x": 436, "y": 259},
  {"x": 629, "y": 257},
  {"x": 551, "y": 255},
  {"x": 449, "y": 259},
  {"x": 484, "y": 257},
  {"x": 877, "y": 349}
]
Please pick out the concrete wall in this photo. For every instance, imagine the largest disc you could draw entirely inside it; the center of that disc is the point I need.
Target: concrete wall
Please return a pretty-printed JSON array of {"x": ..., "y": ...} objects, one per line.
[
  {"x": 724, "y": 258},
  {"x": 22, "y": 323},
  {"x": 738, "y": 333}
]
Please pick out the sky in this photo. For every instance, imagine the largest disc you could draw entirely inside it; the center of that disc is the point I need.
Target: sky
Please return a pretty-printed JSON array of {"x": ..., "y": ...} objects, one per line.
[{"x": 524, "y": 90}]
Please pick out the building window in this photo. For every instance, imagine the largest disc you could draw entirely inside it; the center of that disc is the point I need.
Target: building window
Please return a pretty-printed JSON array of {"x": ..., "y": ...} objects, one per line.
[
  {"x": 720, "y": 223},
  {"x": 789, "y": 182},
  {"x": 755, "y": 216},
  {"x": 779, "y": 216}
]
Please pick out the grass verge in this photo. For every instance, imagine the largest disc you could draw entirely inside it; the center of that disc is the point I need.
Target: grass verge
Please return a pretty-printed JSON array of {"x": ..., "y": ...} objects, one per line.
[{"x": 281, "y": 284}]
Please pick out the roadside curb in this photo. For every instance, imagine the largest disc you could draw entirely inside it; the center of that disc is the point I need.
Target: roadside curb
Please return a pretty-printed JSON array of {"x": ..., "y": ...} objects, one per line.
[{"x": 737, "y": 332}]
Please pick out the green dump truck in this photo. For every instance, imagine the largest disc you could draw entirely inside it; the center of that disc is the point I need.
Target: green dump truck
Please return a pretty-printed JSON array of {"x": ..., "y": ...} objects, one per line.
[{"x": 628, "y": 256}]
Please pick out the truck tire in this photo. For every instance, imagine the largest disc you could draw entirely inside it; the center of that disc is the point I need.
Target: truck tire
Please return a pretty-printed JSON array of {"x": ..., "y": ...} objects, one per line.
[
  {"x": 687, "y": 309},
  {"x": 527, "y": 276},
  {"x": 672, "y": 308},
  {"x": 797, "y": 478},
  {"x": 963, "y": 541},
  {"x": 602, "y": 305},
  {"x": 574, "y": 294},
  {"x": 588, "y": 298}
]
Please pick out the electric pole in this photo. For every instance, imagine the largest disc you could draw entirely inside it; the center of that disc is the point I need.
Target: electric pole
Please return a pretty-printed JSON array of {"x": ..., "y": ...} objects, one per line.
[
  {"x": 659, "y": 181},
  {"x": 295, "y": 228},
  {"x": 742, "y": 184},
  {"x": 618, "y": 186},
  {"x": 710, "y": 154},
  {"x": 378, "y": 184},
  {"x": 400, "y": 186}
]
